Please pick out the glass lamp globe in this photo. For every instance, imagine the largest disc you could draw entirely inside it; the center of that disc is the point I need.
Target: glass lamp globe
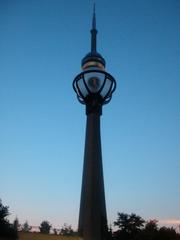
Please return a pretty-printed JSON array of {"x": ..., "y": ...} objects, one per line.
[{"x": 94, "y": 83}]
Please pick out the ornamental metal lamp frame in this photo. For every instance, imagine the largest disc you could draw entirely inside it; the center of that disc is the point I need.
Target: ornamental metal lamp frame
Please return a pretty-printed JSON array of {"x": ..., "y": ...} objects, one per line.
[{"x": 85, "y": 94}]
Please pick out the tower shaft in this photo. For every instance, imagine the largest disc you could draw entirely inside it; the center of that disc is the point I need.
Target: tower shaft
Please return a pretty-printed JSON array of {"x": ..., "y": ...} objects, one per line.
[{"x": 92, "y": 216}]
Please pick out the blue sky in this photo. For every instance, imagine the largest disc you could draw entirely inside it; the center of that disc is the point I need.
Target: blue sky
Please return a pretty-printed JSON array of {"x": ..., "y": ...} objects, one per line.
[{"x": 42, "y": 125}]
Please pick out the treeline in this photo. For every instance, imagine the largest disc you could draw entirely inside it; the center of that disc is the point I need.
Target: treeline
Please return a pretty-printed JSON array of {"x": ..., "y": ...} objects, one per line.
[
  {"x": 128, "y": 227},
  {"x": 134, "y": 227},
  {"x": 10, "y": 230},
  {"x": 46, "y": 228}
]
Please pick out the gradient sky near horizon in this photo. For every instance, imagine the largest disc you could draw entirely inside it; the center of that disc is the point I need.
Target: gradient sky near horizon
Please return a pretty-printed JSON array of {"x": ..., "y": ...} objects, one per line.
[{"x": 42, "y": 125}]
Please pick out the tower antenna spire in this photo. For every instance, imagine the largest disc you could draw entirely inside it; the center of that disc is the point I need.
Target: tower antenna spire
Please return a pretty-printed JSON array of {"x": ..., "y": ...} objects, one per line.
[
  {"x": 94, "y": 17},
  {"x": 93, "y": 31}
]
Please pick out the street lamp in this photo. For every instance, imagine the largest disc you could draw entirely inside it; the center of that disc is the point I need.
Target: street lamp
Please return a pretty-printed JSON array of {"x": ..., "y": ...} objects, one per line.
[{"x": 94, "y": 88}]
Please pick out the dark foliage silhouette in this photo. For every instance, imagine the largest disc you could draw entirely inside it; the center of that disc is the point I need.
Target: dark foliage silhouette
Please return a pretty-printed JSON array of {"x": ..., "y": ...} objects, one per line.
[
  {"x": 129, "y": 226},
  {"x": 7, "y": 230},
  {"x": 133, "y": 227},
  {"x": 165, "y": 233},
  {"x": 66, "y": 230},
  {"x": 45, "y": 227},
  {"x": 151, "y": 225},
  {"x": 26, "y": 227},
  {"x": 4, "y": 211},
  {"x": 55, "y": 231},
  {"x": 16, "y": 224}
]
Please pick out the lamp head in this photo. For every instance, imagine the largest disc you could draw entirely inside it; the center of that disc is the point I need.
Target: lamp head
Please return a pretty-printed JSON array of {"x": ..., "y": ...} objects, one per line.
[{"x": 94, "y": 85}]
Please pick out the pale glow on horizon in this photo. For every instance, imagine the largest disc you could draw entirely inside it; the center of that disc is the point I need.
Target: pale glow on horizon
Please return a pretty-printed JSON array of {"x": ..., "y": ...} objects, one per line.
[{"x": 169, "y": 221}]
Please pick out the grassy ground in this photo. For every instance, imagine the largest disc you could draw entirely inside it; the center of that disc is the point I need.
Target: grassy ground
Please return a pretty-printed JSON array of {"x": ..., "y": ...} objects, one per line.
[{"x": 40, "y": 236}]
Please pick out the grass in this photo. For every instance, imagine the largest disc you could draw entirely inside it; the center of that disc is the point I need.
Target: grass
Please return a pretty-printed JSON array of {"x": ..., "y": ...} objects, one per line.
[{"x": 40, "y": 236}]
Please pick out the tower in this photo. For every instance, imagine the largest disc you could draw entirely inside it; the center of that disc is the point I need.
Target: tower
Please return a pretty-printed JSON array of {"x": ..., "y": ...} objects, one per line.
[{"x": 94, "y": 88}]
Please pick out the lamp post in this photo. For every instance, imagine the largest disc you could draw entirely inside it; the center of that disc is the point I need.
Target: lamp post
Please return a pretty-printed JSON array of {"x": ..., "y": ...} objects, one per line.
[{"x": 94, "y": 88}]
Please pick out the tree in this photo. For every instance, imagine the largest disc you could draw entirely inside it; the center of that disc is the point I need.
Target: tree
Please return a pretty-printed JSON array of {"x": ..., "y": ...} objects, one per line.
[
  {"x": 129, "y": 225},
  {"x": 151, "y": 225},
  {"x": 45, "y": 227},
  {"x": 4, "y": 212},
  {"x": 66, "y": 230},
  {"x": 55, "y": 231},
  {"x": 6, "y": 229},
  {"x": 167, "y": 234},
  {"x": 16, "y": 224},
  {"x": 150, "y": 231},
  {"x": 26, "y": 227}
]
